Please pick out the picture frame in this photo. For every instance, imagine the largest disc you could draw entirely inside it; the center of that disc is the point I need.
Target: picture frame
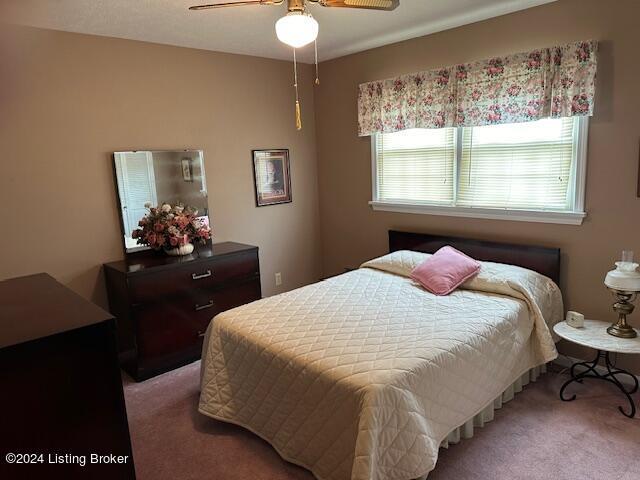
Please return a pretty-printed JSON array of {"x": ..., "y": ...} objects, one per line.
[
  {"x": 271, "y": 176},
  {"x": 187, "y": 169}
]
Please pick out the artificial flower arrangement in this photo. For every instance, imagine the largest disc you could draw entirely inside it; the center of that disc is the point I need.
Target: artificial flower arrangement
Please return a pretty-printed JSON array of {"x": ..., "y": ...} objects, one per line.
[{"x": 171, "y": 228}]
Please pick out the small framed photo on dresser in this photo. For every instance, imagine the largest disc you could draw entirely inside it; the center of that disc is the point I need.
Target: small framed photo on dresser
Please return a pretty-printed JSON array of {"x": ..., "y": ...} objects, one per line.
[{"x": 271, "y": 176}]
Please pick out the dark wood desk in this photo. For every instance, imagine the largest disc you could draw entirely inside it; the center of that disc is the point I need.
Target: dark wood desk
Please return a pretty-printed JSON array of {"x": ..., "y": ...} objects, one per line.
[{"x": 61, "y": 392}]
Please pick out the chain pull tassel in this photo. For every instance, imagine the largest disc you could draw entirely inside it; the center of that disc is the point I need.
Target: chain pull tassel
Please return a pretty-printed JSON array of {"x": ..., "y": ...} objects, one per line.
[
  {"x": 315, "y": 46},
  {"x": 295, "y": 86},
  {"x": 298, "y": 119}
]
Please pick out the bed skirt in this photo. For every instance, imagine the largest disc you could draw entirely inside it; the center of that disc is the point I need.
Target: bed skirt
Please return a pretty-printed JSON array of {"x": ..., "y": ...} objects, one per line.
[{"x": 487, "y": 414}]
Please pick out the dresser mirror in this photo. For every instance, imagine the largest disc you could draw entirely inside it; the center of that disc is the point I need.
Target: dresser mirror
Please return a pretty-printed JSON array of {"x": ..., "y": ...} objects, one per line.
[{"x": 157, "y": 177}]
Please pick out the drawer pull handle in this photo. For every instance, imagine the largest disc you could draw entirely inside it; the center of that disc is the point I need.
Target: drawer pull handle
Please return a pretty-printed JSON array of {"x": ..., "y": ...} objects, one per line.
[
  {"x": 206, "y": 274},
  {"x": 209, "y": 304}
]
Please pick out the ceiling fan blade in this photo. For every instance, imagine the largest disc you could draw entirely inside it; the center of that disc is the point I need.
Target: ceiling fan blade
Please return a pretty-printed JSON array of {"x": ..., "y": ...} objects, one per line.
[
  {"x": 236, "y": 4},
  {"x": 370, "y": 4}
]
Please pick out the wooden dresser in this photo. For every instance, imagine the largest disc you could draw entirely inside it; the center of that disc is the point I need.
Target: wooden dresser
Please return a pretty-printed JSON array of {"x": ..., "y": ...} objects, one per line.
[
  {"x": 61, "y": 391},
  {"x": 164, "y": 304}
]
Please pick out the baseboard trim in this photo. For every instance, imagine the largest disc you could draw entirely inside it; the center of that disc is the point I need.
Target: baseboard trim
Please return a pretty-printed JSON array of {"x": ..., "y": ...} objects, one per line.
[{"x": 566, "y": 361}]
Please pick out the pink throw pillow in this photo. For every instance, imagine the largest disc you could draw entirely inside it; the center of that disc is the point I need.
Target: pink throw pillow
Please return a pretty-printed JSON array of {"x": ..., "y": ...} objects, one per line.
[{"x": 445, "y": 271}]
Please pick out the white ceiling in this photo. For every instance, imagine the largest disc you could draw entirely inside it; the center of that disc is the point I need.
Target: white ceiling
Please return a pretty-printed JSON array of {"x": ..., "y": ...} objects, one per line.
[{"x": 250, "y": 30}]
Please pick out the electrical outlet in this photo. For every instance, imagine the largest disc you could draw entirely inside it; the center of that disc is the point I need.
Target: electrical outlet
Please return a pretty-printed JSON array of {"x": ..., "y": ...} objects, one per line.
[{"x": 278, "y": 279}]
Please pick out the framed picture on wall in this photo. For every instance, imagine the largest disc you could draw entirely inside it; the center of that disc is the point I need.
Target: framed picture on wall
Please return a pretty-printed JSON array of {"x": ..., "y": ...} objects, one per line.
[
  {"x": 187, "y": 170},
  {"x": 271, "y": 176}
]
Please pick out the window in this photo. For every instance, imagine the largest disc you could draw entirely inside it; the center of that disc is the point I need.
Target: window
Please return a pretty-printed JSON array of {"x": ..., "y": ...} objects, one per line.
[{"x": 525, "y": 171}]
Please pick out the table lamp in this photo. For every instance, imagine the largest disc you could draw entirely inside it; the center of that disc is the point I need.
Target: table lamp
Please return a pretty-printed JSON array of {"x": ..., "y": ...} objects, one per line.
[{"x": 624, "y": 282}]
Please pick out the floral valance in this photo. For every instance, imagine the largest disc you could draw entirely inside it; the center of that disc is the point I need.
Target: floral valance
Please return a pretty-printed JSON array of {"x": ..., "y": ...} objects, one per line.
[{"x": 549, "y": 82}]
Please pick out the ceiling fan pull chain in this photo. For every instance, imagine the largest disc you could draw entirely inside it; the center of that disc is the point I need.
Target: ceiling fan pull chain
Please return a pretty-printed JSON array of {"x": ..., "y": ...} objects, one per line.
[
  {"x": 295, "y": 85},
  {"x": 315, "y": 46}
]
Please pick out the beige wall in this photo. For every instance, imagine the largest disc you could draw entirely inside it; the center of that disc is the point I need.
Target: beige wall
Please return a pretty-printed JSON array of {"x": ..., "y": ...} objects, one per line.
[
  {"x": 352, "y": 232},
  {"x": 67, "y": 101}
]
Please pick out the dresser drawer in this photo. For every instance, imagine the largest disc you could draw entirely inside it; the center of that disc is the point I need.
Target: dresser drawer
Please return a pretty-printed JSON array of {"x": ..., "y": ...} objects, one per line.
[
  {"x": 208, "y": 274},
  {"x": 179, "y": 322},
  {"x": 169, "y": 326},
  {"x": 225, "y": 299}
]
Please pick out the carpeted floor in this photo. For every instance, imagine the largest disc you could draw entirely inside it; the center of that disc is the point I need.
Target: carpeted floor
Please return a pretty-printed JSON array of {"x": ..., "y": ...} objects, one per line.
[{"x": 534, "y": 437}]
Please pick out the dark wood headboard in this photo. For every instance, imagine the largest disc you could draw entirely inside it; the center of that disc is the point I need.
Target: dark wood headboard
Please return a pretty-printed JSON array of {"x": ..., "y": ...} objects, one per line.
[{"x": 540, "y": 259}]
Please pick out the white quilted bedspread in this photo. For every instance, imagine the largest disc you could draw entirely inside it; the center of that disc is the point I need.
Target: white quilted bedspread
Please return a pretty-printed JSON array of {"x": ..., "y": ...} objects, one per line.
[{"x": 362, "y": 376}]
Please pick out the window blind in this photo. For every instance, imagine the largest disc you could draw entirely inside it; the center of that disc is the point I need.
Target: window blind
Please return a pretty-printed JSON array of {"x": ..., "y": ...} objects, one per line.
[
  {"x": 416, "y": 166},
  {"x": 518, "y": 166}
]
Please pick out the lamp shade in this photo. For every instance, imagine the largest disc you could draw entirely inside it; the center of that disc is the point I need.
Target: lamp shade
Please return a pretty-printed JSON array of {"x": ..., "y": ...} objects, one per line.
[
  {"x": 624, "y": 278},
  {"x": 297, "y": 29}
]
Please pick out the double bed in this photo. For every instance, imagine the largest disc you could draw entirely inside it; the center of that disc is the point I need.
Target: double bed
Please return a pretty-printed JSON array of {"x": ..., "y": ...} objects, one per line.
[{"x": 366, "y": 375}]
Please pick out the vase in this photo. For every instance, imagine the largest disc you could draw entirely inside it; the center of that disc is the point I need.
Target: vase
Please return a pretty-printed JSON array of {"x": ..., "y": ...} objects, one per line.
[{"x": 185, "y": 249}]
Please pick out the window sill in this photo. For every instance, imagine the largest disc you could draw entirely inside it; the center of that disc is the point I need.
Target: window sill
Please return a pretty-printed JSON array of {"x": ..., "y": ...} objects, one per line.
[{"x": 567, "y": 218}]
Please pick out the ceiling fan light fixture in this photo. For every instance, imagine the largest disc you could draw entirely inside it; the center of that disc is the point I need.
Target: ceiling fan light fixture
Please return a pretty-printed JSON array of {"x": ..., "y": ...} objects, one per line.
[{"x": 297, "y": 29}]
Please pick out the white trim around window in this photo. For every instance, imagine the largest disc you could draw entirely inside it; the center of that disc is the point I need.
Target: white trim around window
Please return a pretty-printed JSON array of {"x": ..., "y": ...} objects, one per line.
[
  {"x": 575, "y": 216},
  {"x": 568, "y": 218}
]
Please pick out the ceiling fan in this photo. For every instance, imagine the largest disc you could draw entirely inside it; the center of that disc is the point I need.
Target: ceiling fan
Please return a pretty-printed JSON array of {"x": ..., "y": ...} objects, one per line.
[{"x": 298, "y": 28}]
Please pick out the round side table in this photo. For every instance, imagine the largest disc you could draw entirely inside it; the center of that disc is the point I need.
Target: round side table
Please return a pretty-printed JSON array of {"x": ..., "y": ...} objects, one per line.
[{"x": 594, "y": 335}]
